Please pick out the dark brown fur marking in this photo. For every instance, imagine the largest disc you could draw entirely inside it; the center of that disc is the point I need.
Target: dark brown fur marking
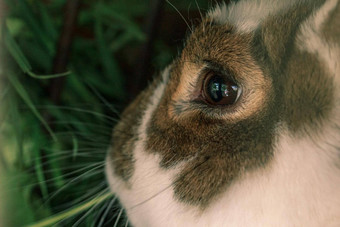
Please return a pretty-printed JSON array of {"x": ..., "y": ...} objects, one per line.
[
  {"x": 308, "y": 101},
  {"x": 216, "y": 151}
]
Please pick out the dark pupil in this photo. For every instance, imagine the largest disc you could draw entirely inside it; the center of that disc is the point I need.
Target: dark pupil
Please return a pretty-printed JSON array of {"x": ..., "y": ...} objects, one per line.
[{"x": 222, "y": 92}]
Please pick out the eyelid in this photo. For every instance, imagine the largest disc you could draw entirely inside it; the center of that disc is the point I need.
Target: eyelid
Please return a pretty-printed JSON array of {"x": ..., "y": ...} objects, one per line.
[{"x": 212, "y": 66}]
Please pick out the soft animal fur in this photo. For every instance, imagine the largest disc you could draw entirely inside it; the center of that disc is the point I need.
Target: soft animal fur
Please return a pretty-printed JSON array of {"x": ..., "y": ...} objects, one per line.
[{"x": 271, "y": 157}]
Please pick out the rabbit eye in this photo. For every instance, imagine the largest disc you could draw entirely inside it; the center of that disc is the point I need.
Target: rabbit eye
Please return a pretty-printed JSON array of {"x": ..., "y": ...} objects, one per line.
[{"x": 218, "y": 90}]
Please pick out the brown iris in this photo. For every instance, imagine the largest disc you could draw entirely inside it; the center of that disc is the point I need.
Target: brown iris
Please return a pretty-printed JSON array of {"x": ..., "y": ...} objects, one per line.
[{"x": 219, "y": 90}]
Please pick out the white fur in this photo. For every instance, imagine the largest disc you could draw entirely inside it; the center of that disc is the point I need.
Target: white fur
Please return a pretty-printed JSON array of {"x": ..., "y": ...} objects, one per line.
[{"x": 245, "y": 15}]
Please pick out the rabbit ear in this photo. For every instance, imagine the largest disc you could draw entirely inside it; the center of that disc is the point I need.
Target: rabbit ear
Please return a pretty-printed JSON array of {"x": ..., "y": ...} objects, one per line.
[
  {"x": 277, "y": 34},
  {"x": 298, "y": 25},
  {"x": 331, "y": 29}
]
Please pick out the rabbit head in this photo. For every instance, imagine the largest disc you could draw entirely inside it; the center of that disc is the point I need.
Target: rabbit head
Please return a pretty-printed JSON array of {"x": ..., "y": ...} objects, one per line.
[{"x": 242, "y": 129}]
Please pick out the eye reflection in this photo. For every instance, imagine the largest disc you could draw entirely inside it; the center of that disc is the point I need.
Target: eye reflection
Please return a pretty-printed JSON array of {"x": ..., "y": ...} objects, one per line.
[{"x": 219, "y": 91}]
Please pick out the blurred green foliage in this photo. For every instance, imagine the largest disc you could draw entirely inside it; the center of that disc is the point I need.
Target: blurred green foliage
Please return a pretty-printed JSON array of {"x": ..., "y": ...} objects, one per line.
[{"x": 53, "y": 169}]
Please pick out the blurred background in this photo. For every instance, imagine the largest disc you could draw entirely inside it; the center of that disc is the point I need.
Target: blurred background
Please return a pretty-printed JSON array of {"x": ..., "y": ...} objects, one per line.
[{"x": 68, "y": 69}]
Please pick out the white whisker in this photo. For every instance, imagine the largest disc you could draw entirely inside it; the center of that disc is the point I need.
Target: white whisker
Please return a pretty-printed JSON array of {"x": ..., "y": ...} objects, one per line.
[
  {"x": 90, "y": 210},
  {"x": 86, "y": 174},
  {"x": 118, "y": 217},
  {"x": 186, "y": 22},
  {"x": 101, "y": 222}
]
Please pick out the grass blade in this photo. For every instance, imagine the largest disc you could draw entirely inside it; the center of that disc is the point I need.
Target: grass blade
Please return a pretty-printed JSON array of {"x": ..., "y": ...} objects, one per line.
[
  {"x": 24, "y": 95},
  {"x": 22, "y": 61},
  {"x": 71, "y": 212}
]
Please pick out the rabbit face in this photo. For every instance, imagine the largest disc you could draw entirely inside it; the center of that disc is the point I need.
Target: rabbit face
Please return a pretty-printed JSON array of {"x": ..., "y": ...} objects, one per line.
[{"x": 240, "y": 126}]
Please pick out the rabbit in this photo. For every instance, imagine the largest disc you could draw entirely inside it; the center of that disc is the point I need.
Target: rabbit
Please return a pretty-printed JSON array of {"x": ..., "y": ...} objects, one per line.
[{"x": 243, "y": 127}]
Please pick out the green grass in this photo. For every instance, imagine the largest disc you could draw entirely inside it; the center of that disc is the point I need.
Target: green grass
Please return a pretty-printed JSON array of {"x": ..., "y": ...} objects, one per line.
[{"x": 53, "y": 171}]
